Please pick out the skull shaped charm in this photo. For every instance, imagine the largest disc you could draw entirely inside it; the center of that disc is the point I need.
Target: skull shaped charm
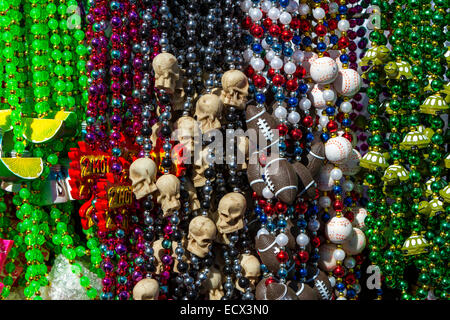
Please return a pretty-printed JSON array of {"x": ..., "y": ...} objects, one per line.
[
  {"x": 199, "y": 167},
  {"x": 143, "y": 176},
  {"x": 213, "y": 285},
  {"x": 251, "y": 270},
  {"x": 158, "y": 253},
  {"x": 146, "y": 289},
  {"x": 202, "y": 232},
  {"x": 208, "y": 112},
  {"x": 194, "y": 203},
  {"x": 186, "y": 129},
  {"x": 167, "y": 72},
  {"x": 231, "y": 211},
  {"x": 234, "y": 89},
  {"x": 168, "y": 194}
]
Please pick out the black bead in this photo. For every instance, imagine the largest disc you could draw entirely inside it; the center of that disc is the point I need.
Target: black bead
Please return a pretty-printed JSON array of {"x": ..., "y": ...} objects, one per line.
[
  {"x": 182, "y": 266},
  {"x": 177, "y": 236},
  {"x": 227, "y": 270},
  {"x": 149, "y": 236},
  {"x": 164, "y": 99},
  {"x": 146, "y": 131},
  {"x": 210, "y": 173},
  {"x": 178, "y": 292},
  {"x": 166, "y": 163},
  {"x": 184, "y": 194},
  {"x": 206, "y": 204},
  {"x": 233, "y": 180},
  {"x": 166, "y": 131},
  {"x": 159, "y": 228},
  {"x": 233, "y": 253},
  {"x": 147, "y": 204},
  {"x": 243, "y": 282},
  {"x": 150, "y": 267},
  {"x": 145, "y": 98},
  {"x": 245, "y": 244},
  {"x": 189, "y": 90},
  {"x": 191, "y": 295},
  {"x": 231, "y": 117},
  {"x": 208, "y": 262}
]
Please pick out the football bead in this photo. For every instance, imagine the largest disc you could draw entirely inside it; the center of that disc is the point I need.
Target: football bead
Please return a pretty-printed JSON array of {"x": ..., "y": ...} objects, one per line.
[
  {"x": 322, "y": 286},
  {"x": 281, "y": 179},
  {"x": 324, "y": 70},
  {"x": 254, "y": 174},
  {"x": 263, "y": 125},
  {"x": 306, "y": 182},
  {"x": 280, "y": 291},
  {"x": 267, "y": 247},
  {"x": 302, "y": 290},
  {"x": 316, "y": 157},
  {"x": 327, "y": 261}
]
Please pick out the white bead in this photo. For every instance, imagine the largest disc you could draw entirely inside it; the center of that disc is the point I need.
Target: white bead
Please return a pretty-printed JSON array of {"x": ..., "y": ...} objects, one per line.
[
  {"x": 274, "y": 14},
  {"x": 343, "y": 25},
  {"x": 261, "y": 232},
  {"x": 336, "y": 174},
  {"x": 294, "y": 117},
  {"x": 246, "y": 5},
  {"x": 350, "y": 262},
  {"x": 282, "y": 240},
  {"x": 314, "y": 225},
  {"x": 276, "y": 63},
  {"x": 303, "y": 9},
  {"x": 328, "y": 95},
  {"x": 339, "y": 254},
  {"x": 280, "y": 112},
  {"x": 305, "y": 104},
  {"x": 318, "y": 13},
  {"x": 248, "y": 54},
  {"x": 266, "y": 5},
  {"x": 267, "y": 193},
  {"x": 264, "y": 44},
  {"x": 285, "y": 18},
  {"x": 348, "y": 185},
  {"x": 292, "y": 6},
  {"x": 302, "y": 240},
  {"x": 346, "y": 107},
  {"x": 255, "y": 14},
  {"x": 333, "y": 7},
  {"x": 325, "y": 202},
  {"x": 332, "y": 281},
  {"x": 257, "y": 64},
  {"x": 290, "y": 68},
  {"x": 270, "y": 55},
  {"x": 323, "y": 120},
  {"x": 298, "y": 56}
]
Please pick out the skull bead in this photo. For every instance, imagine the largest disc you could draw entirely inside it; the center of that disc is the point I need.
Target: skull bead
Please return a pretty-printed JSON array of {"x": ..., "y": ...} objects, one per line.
[
  {"x": 202, "y": 232},
  {"x": 234, "y": 89},
  {"x": 208, "y": 112},
  {"x": 168, "y": 194},
  {"x": 167, "y": 72},
  {"x": 143, "y": 176},
  {"x": 231, "y": 211},
  {"x": 146, "y": 289}
]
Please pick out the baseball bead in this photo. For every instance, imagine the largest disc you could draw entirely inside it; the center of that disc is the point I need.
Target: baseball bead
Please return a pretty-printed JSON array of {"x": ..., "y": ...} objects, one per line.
[
  {"x": 351, "y": 166},
  {"x": 338, "y": 230},
  {"x": 327, "y": 261},
  {"x": 347, "y": 83},
  {"x": 356, "y": 242},
  {"x": 319, "y": 96},
  {"x": 337, "y": 149},
  {"x": 359, "y": 216},
  {"x": 324, "y": 70}
]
